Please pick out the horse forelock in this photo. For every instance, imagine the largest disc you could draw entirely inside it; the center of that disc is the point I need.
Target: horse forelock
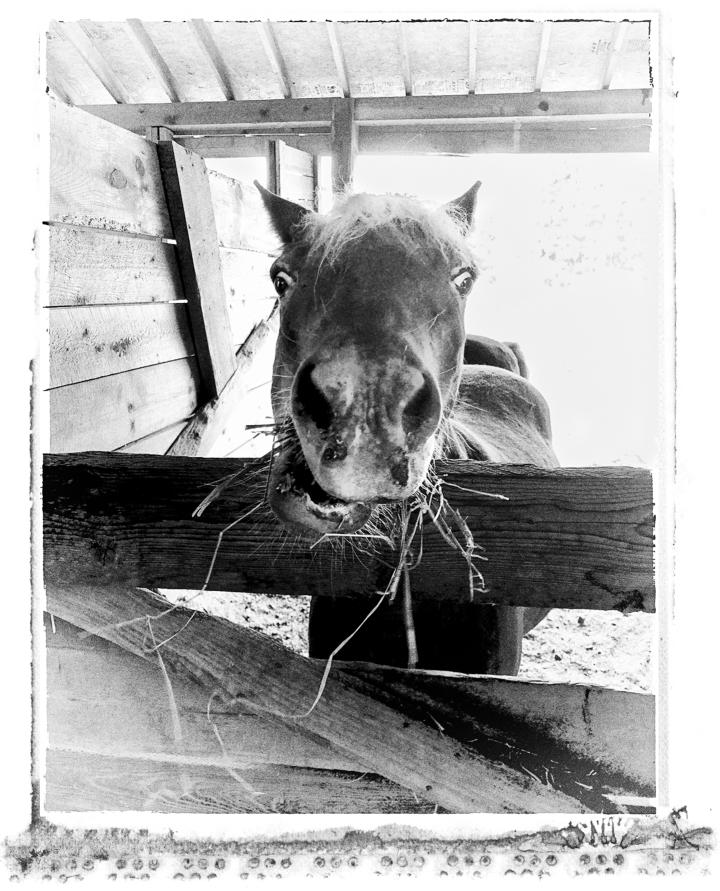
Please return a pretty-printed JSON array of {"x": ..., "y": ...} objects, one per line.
[{"x": 394, "y": 220}]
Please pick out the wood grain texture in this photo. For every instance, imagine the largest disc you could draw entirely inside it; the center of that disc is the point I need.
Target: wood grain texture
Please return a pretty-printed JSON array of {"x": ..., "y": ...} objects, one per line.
[
  {"x": 109, "y": 412},
  {"x": 81, "y": 781},
  {"x": 104, "y": 700},
  {"x": 344, "y": 143},
  {"x": 212, "y": 419},
  {"x": 94, "y": 267},
  {"x": 567, "y": 538},
  {"x": 246, "y": 665},
  {"x": 195, "y": 118},
  {"x": 193, "y": 220},
  {"x": 240, "y": 216},
  {"x": 87, "y": 342},
  {"x": 248, "y": 289},
  {"x": 102, "y": 176},
  {"x": 155, "y": 443}
]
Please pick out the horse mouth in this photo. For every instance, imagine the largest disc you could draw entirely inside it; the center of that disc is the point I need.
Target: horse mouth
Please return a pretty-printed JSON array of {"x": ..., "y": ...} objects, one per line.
[{"x": 301, "y": 503}]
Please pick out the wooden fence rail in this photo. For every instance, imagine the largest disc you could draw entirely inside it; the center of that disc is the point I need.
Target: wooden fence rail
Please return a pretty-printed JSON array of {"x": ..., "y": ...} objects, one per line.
[
  {"x": 479, "y": 765},
  {"x": 565, "y": 538}
]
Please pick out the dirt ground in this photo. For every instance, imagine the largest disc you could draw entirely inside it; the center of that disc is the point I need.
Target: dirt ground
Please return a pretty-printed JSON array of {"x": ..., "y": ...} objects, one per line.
[{"x": 569, "y": 646}]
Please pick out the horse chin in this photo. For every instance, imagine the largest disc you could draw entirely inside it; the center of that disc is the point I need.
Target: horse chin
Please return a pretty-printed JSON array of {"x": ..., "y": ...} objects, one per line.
[{"x": 304, "y": 507}]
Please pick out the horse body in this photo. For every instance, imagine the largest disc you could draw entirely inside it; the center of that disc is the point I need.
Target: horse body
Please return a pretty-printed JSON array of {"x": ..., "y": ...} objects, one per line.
[{"x": 373, "y": 378}]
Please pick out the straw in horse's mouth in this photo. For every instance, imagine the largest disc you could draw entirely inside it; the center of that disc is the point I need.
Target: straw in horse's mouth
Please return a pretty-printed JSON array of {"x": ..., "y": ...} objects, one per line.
[{"x": 299, "y": 480}]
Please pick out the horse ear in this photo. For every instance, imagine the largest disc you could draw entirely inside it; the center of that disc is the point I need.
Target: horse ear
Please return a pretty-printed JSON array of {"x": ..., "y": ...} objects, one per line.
[
  {"x": 285, "y": 215},
  {"x": 463, "y": 208}
]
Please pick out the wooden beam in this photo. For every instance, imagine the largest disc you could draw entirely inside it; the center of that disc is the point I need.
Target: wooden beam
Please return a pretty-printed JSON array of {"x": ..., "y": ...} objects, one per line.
[
  {"x": 255, "y": 146},
  {"x": 249, "y": 668},
  {"x": 76, "y": 34},
  {"x": 621, "y": 29},
  {"x": 344, "y": 142},
  {"x": 137, "y": 30},
  {"x": 209, "y": 422},
  {"x": 472, "y": 57},
  {"x": 545, "y": 35},
  {"x": 203, "y": 34},
  {"x": 193, "y": 218},
  {"x": 573, "y": 538},
  {"x": 405, "y": 57},
  {"x": 533, "y": 136},
  {"x": 215, "y": 118},
  {"x": 338, "y": 58},
  {"x": 272, "y": 51}
]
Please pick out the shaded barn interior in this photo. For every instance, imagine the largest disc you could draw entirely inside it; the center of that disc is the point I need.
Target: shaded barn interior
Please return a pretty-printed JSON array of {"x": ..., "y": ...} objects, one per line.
[{"x": 161, "y": 320}]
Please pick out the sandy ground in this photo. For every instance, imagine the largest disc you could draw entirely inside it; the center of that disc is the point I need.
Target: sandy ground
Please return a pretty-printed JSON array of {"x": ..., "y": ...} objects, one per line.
[{"x": 569, "y": 646}]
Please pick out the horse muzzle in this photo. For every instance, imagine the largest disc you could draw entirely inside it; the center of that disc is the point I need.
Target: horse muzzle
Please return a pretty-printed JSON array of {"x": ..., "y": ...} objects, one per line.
[{"x": 366, "y": 425}]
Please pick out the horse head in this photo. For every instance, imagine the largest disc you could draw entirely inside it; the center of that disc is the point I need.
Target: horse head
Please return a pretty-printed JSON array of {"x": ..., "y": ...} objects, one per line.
[{"x": 369, "y": 353}]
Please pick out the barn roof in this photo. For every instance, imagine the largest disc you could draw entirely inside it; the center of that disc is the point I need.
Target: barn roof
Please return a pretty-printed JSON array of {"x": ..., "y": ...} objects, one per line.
[
  {"x": 100, "y": 62},
  {"x": 450, "y": 86}
]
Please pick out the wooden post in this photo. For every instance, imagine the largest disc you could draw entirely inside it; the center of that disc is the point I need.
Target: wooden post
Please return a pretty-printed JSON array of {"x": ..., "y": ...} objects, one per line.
[
  {"x": 344, "y": 141},
  {"x": 193, "y": 220}
]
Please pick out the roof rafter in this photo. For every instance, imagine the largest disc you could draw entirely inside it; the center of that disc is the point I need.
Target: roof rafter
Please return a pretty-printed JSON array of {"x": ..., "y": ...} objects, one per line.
[
  {"x": 339, "y": 58},
  {"x": 77, "y": 34},
  {"x": 405, "y": 56},
  {"x": 542, "y": 54},
  {"x": 145, "y": 42},
  {"x": 203, "y": 34},
  {"x": 619, "y": 35},
  {"x": 272, "y": 50}
]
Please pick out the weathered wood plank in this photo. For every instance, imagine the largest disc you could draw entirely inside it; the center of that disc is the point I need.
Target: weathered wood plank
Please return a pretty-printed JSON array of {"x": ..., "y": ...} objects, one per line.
[
  {"x": 296, "y": 175},
  {"x": 344, "y": 143},
  {"x": 155, "y": 443},
  {"x": 535, "y": 138},
  {"x": 111, "y": 411},
  {"x": 193, "y": 219},
  {"x": 248, "y": 290},
  {"x": 212, "y": 420},
  {"x": 521, "y": 137},
  {"x": 245, "y": 665},
  {"x": 104, "y": 700},
  {"x": 93, "y": 341},
  {"x": 94, "y": 267},
  {"x": 81, "y": 781},
  {"x": 188, "y": 118},
  {"x": 566, "y": 538},
  {"x": 102, "y": 176},
  {"x": 240, "y": 215}
]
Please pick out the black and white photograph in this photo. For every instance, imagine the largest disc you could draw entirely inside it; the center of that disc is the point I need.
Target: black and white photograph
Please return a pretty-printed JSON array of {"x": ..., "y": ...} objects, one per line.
[{"x": 353, "y": 449}]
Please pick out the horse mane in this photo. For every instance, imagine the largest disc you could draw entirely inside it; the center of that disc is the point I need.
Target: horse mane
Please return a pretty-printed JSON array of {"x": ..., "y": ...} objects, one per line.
[{"x": 396, "y": 220}]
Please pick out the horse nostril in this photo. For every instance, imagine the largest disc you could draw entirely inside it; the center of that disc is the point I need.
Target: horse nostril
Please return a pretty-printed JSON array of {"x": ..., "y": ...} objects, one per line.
[
  {"x": 310, "y": 401},
  {"x": 422, "y": 412}
]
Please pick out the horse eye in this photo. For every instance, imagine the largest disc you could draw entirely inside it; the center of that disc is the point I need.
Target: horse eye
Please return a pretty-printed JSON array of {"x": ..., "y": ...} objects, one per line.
[
  {"x": 282, "y": 282},
  {"x": 463, "y": 281}
]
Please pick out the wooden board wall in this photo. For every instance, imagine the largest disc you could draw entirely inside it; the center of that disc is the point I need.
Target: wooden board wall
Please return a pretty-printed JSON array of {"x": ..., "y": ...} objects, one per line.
[{"x": 122, "y": 370}]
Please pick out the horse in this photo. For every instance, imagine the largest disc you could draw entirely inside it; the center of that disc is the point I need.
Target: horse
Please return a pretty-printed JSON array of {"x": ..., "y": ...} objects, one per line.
[{"x": 374, "y": 378}]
